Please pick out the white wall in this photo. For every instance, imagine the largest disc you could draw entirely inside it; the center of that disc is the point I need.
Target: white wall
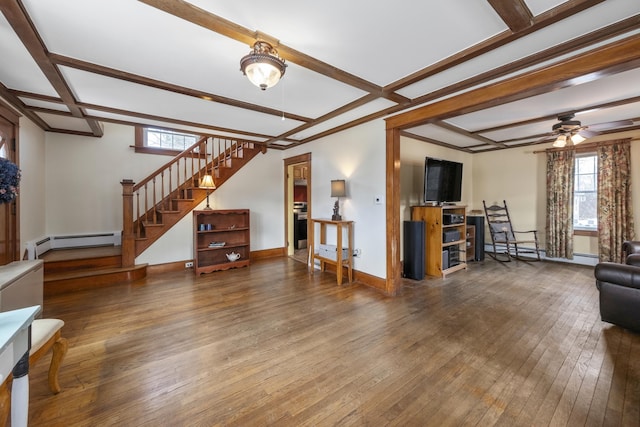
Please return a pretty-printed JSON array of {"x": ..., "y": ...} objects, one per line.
[
  {"x": 83, "y": 190},
  {"x": 356, "y": 155},
  {"x": 33, "y": 209}
]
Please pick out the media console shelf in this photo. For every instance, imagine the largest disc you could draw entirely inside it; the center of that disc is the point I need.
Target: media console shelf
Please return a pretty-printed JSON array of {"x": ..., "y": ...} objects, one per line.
[{"x": 445, "y": 238}]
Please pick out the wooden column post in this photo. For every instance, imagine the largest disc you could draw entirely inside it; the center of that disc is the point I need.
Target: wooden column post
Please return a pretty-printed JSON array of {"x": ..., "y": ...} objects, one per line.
[{"x": 128, "y": 236}]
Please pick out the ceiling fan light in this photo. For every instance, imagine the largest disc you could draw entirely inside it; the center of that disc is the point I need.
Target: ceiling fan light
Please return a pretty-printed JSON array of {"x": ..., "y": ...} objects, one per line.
[
  {"x": 263, "y": 67},
  {"x": 560, "y": 142},
  {"x": 576, "y": 138}
]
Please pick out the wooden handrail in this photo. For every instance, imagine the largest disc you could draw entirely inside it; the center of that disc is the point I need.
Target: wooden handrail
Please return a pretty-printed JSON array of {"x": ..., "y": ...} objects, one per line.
[{"x": 157, "y": 172}]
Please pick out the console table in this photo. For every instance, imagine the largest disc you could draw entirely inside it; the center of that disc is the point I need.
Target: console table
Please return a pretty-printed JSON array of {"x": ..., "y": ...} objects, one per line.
[
  {"x": 15, "y": 341},
  {"x": 339, "y": 262}
]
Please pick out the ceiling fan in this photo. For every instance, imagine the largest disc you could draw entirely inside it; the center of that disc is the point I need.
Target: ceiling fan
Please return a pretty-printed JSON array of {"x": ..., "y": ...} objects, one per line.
[{"x": 571, "y": 130}]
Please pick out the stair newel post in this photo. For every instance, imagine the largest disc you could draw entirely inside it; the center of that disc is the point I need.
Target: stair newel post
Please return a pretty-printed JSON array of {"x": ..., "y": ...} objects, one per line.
[{"x": 128, "y": 237}]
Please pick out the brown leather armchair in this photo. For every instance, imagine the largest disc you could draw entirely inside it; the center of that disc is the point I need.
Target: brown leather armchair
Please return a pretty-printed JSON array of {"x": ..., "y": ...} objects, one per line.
[
  {"x": 631, "y": 252},
  {"x": 619, "y": 286}
]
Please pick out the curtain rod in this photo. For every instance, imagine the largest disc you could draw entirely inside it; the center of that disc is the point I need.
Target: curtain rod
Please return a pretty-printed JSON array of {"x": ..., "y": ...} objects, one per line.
[{"x": 583, "y": 147}]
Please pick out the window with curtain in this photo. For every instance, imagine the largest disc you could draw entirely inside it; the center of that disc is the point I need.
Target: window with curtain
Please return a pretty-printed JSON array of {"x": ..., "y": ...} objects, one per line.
[{"x": 570, "y": 194}]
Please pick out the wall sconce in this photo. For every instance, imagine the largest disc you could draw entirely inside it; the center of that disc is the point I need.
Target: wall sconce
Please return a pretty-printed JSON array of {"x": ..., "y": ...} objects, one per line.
[
  {"x": 338, "y": 189},
  {"x": 208, "y": 184}
]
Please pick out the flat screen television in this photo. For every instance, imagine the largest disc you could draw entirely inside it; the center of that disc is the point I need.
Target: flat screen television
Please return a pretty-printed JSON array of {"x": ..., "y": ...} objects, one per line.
[{"x": 442, "y": 181}]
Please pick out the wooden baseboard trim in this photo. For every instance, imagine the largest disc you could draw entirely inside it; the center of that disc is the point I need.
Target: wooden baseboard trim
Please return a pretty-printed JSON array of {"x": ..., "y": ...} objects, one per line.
[
  {"x": 168, "y": 267},
  {"x": 267, "y": 253},
  {"x": 360, "y": 277}
]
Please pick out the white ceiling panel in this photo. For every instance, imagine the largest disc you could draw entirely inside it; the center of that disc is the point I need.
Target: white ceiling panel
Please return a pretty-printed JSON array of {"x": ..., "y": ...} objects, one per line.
[
  {"x": 365, "y": 110},
  {"x": 44, "y": 104},
  {"x": 18, "y": 70},
  {"x": 444, "y": 135},
  {"x": 364, "y": 38},
  {"x": 132, "y": 97},
  {"x": 56, "y": 121}
]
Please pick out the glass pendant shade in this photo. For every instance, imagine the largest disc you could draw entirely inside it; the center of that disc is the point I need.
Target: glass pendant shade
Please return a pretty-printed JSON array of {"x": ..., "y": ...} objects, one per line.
[
  {"x": 576, "y": 138},
  {"x": 262, "y": 66},
  {"x": 560, "y": 142}
]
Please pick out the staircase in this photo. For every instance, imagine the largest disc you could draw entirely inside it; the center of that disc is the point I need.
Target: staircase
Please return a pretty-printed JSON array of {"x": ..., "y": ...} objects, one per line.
[
  {"x": 150, "y": 209},
  {"x": 159, "y": 201}
]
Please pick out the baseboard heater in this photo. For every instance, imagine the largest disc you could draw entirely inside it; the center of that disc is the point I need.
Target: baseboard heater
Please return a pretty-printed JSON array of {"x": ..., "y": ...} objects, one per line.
[{"x": 38, "y": 247}]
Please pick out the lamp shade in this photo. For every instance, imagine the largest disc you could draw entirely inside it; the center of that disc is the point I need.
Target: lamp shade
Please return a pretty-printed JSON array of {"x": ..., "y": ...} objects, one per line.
[
  {"x": 576, "y": 138},
  {"x": 207, "y": 183},
  {"x": 338, "y": 188},
  {"x": 560, "y": 142}
]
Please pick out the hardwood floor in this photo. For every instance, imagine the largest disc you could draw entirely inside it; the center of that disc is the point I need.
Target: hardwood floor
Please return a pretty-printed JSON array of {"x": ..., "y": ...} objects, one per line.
[{"x": 513, "y": 345}]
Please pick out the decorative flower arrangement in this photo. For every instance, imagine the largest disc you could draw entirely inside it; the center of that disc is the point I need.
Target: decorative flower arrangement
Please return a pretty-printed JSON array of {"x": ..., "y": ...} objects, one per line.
[{"x": 9, "y": 180}]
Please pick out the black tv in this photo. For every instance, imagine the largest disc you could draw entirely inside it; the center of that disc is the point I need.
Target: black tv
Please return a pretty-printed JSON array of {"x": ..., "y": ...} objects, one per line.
[{"x": 442, "y": 181}]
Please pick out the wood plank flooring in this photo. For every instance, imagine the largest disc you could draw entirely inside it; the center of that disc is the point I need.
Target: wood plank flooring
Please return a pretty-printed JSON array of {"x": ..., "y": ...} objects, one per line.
[{"x": 507, "y": 345}]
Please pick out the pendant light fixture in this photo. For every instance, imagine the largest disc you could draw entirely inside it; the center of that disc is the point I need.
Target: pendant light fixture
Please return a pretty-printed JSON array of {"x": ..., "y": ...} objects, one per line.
[{"x": 262, "y": 66}]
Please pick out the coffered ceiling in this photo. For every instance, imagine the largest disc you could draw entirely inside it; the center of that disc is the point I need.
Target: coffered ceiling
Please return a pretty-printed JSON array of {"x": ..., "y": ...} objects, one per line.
[{"x": 69, "y": 65}]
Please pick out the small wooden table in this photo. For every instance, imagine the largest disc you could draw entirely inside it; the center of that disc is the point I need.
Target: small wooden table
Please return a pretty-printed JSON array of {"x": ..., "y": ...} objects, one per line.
[
  {"x": 338, "y": 262},
  {"x": 15, "y": 341}
]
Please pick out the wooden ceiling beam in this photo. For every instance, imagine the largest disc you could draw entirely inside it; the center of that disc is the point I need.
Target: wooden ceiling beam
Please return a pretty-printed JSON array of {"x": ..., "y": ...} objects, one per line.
[
  {"x": 25, "y": 30},
  {"x": 611, "y": 104},
  {"x": 210, "y": 21},
  {"x": 20, "y": 106},
  {"x": 616, "y": 57},
  {"x": 514, "y": 13},
  {"x": 145, "y": 81},
  {"x": 545, "y": 19},
  {"x": 466, "y": 133}
]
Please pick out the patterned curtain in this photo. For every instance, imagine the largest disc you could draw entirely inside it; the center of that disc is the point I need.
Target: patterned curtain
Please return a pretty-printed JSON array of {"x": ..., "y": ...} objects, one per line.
[
  {"x": 615, "y": 212},
  {"x": 559, "y": 237}
]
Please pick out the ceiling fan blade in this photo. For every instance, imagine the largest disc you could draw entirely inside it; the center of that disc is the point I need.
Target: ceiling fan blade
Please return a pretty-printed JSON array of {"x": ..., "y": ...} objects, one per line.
[
  {"x": 546, "y": 138},
  {"x": 611, "y": 125},
  {"x": 587, "y": 133}
]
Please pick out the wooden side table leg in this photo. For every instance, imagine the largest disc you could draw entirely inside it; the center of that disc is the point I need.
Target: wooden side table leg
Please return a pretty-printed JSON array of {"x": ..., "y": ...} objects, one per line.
[
  {"x": 5, "y": 403},
  {"x": 59, "y": 351}
]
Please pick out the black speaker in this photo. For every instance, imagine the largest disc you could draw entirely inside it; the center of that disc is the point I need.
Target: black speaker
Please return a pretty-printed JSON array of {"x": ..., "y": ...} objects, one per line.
[
  {"x": 478, "y": 223},
  {"x": 413, "y": 248}
]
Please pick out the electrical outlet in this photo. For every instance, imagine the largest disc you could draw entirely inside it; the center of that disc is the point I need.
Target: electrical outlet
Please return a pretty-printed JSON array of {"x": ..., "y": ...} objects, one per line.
[
  {"x": 188, "y": 265},
  {"x": 357, "y": 253}
]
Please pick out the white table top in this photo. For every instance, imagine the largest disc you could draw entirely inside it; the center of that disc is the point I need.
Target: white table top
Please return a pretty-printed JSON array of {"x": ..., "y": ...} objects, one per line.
[{"x": 12, "y": 322}]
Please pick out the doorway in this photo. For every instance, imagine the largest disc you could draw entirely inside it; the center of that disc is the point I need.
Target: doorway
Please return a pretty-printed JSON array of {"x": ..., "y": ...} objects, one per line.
[
  {"x": 297, "y": 205},
  {"x": 8, "y": 211}
]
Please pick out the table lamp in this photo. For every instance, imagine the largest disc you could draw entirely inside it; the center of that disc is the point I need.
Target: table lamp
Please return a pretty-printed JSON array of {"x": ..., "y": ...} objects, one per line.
[
  {"x": 208, "y": 184},
  {"x": 338, "y": 189}
]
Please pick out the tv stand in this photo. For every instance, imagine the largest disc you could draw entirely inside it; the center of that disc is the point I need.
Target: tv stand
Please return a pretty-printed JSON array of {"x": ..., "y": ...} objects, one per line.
[{"x": 445, "y": 241}]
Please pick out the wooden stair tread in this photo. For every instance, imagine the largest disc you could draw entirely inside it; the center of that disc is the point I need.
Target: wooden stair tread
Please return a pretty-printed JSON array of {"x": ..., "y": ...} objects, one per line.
[{"x": 75, "y": 274}]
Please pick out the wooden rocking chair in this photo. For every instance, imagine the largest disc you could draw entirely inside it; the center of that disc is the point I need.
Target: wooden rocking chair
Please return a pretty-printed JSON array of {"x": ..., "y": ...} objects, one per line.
[{"x": 502, "y": 233}]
